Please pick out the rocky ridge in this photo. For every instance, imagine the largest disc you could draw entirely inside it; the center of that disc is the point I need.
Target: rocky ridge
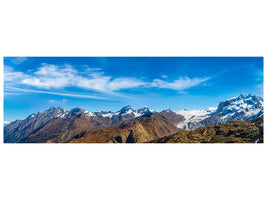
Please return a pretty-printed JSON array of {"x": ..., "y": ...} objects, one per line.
[{"x": 230, "y": 132}]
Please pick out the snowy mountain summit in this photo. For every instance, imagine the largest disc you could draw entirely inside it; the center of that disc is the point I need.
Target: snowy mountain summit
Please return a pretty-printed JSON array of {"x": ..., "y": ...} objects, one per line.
[
  {"x": 127, "y": 110},
  {"x": 242, "y": 107}
]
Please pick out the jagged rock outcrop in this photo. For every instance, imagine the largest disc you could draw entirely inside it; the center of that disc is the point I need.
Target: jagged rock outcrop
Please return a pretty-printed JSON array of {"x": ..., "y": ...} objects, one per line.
[{"x": 230, "y": 132}]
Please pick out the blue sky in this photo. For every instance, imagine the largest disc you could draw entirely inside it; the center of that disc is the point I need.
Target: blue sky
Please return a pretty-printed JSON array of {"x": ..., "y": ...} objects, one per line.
[{"x": 101, "y": 83}]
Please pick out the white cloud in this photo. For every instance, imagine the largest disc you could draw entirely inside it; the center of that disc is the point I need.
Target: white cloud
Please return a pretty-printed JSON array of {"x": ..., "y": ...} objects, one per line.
[
  {"x": 96, "y": 81},
  {"x": 125, "y": 83},
  {"x": 52, "y": 77},
  {"x": 91, "y": 69},
  {"x": 55, "y": 77},
  {"x": 86, "y": 96},
  {"x": 58, "y": 77},
  {"x": 164, "y": 76},
  {"x": 180, "y": 84},
  {"x": 11, "y": 75},
  {"x": 18, "y": 60},
  {"x": 53, "y": 101}
]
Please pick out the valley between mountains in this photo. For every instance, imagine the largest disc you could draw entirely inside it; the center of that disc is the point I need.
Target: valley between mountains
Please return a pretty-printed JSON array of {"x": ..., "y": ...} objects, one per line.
[{"x": 235, "y": 120}]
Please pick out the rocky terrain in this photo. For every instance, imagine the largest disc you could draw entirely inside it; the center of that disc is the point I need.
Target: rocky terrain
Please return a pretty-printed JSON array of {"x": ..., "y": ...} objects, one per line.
[
  {"x": 141, "y": 129},
  {"x": 230, "y": 132}
]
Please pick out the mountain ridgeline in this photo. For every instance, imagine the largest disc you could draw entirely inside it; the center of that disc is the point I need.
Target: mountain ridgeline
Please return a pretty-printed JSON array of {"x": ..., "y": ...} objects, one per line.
[{"x": 239, "y": 119}]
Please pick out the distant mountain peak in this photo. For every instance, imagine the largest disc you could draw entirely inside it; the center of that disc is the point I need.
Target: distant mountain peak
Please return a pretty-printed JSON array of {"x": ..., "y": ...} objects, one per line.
[
  {"x": 240, "y": 100},
  {"x": 126, "y": 107},
  {"x": 51, "y": 109},
  {"x": 143, "y": 110},
  {"x": 126, "y": 110},
  {"x": 76, "y": 111}
]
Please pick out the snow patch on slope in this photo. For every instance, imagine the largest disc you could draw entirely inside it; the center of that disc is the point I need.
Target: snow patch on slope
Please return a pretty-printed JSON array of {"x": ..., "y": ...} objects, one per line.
[{"x": 193, "y": 117}]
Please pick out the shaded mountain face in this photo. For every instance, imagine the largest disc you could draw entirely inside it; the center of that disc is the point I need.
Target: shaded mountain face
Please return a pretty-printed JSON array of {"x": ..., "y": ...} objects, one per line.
[
  {"x": 138, "y": 130},
  {"x": 59, "y": 125},
  {"x": 242, "y": 107},
  {"x": 19, "y": 129},
  {"x": 230, "y": 132}
]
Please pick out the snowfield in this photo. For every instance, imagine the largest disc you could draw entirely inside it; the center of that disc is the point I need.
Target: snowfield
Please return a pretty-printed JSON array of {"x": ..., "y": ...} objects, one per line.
[{"x": 193, "y": 116}]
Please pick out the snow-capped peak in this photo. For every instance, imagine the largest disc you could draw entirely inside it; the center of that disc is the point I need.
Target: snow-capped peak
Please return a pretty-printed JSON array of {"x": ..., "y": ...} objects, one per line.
[
  {"x": 241, "y": 107},
  {"x": 143, "y": 110},
  {"x": 241, "y": 102},
  {"x": 125, "y": 110},
  {"x": 76, "y": 111}
]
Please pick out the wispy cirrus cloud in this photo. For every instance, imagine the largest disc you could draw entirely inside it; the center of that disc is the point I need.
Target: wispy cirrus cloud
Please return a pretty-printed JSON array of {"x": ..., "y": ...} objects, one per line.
[
  {"x": 65, "y": 94},
  {"x": 10, "y": 75},
  {"x": 50, "y": 77},
  {"x": 180, "y": 84},
  {"x": 17, "y": 60},
  {"x": 53, "y": 101},
  {"x": 164, "y": 76}
]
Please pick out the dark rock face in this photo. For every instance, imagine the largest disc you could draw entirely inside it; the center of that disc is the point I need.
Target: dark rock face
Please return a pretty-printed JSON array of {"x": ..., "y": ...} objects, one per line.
[
  {"x": 63, "y": 129},
  {"x": 172, "y": 116},
  {"x": 230, "y": 132},
  {"x": 20, "y": 129}
]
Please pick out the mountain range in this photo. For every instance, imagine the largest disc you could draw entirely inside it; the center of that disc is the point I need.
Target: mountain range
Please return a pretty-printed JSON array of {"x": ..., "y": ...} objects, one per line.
[
  {"x": 57, "y": 125},
  {"x": 242, "y": 107}
]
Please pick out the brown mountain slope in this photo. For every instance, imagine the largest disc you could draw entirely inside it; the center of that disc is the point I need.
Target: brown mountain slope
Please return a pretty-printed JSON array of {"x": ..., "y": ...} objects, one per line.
[
  {"x": 141, "y": 129},
  {"x": 18, "y": 130},
  {"x": 63, "y": 130},
  {"x": 231, "y": 132}
]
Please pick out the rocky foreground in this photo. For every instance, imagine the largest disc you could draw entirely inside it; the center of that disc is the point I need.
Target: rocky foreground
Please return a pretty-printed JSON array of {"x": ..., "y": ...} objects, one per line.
[{"x": 230, "y": 132}]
